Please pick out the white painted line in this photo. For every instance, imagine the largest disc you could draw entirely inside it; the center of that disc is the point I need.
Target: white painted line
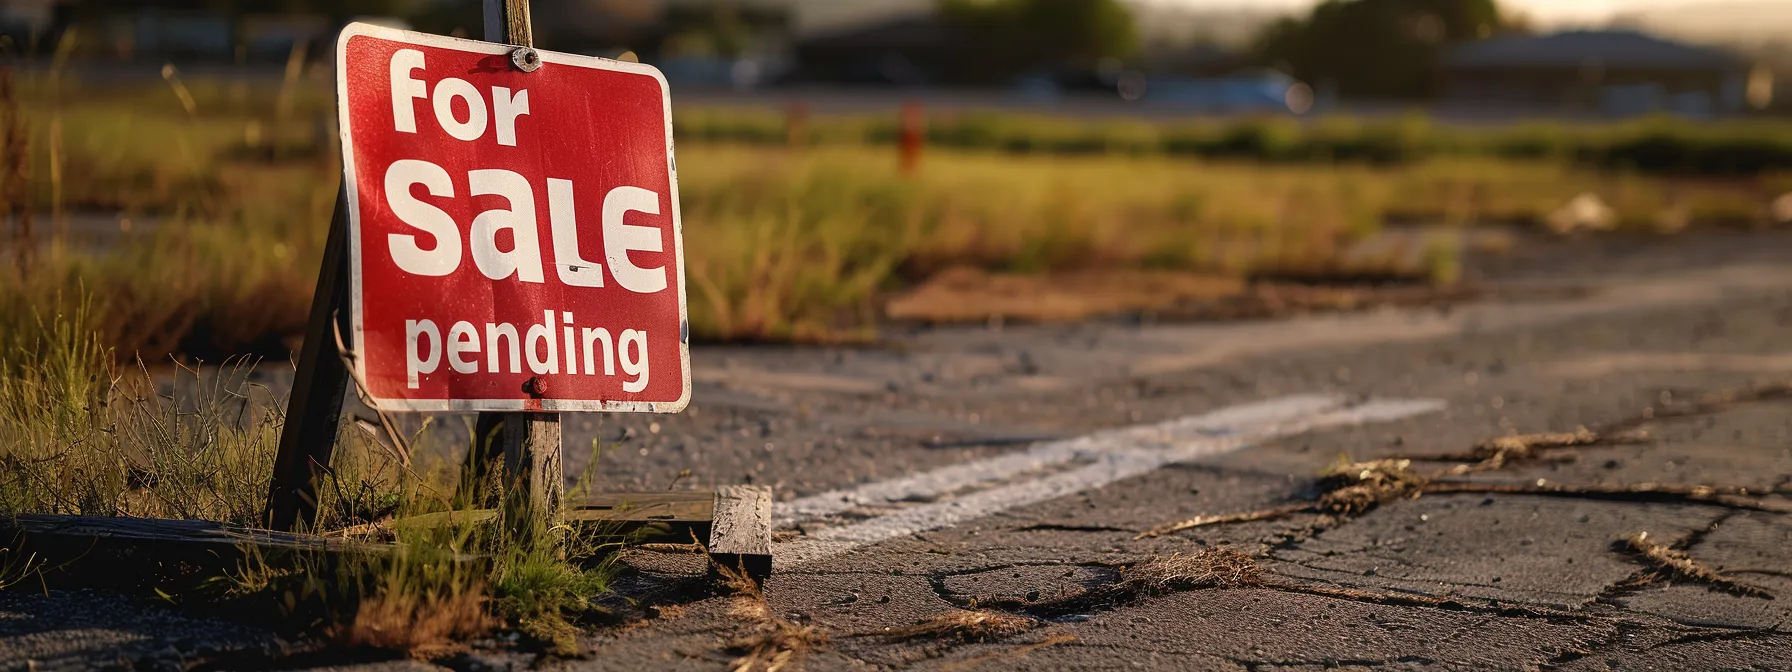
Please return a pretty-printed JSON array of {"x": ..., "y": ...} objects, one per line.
[
  {"x": 1111, "y": 463},
  {"x": 1241, "y": 422}
]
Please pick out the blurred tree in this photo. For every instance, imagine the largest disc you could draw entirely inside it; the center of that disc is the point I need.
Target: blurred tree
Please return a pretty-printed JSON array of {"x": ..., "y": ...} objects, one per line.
[
  {"x": 1004, "y": 38},
  {"x": 1377, "y": 48}
]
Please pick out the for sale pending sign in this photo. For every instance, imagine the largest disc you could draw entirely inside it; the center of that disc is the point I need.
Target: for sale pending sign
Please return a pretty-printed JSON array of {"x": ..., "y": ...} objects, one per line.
[{"x": 514, "y": 236}]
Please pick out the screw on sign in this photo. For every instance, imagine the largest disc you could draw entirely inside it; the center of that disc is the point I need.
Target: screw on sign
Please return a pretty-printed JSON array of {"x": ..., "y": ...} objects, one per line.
[{"x": 514, "y": 238}]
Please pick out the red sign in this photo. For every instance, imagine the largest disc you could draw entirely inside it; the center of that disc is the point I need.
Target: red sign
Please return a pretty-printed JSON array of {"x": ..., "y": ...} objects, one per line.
[{"x": 514, "y": 236}]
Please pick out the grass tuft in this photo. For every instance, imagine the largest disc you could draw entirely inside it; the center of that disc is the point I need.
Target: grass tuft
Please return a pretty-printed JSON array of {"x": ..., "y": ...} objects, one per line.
[
  {"x": 1355, "y": 488},
  {"x": 966, "y": 625},
  {"x": 1207, "y": 568}
]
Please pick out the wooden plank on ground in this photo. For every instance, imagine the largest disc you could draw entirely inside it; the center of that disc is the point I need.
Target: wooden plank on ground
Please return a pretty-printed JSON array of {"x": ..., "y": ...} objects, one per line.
[
  {"x": 740, "y": 534},
  {"x": 153, "y": 552},
  {"x": 633, "y": 517}
]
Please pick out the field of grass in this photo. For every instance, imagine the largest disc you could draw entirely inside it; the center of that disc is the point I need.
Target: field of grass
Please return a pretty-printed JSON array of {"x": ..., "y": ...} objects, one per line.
[
  {"x": 1662, "y": 146},
  {"x": 807, "y": 242}
]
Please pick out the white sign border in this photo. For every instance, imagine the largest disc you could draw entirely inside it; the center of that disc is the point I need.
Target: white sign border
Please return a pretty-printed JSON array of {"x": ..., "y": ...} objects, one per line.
[{"x": 351, "y": 187}]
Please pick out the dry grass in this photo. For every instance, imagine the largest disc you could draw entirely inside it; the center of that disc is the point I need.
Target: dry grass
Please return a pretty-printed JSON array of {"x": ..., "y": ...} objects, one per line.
[
  {"x": 1355, "y": 488},
  {"x": 425, "y": 626},
  {"x": 966, "y": 294},
  {"x": 1207, "y": 568},
  {"x": 1347, "y": 490},
  {"x": 767, "y": 642},
  {"x": 786, "y": 243},
  {"x": 1667, "y": 563},
  {"x": 84, "y": 436},
  {"x": 964, "y": 625},
  {"x": 1498, "y": 452}
]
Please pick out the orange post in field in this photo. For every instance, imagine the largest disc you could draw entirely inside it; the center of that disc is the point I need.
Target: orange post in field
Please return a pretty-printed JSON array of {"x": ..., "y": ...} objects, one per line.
[
  {"x": 912, "y": 137},
  {"x": 796, "y": 125}
]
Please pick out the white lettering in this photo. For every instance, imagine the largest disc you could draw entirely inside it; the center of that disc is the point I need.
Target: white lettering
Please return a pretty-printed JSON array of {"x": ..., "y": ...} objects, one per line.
[
  {"x": 591, "y": 336},
  {"x": 568, "y": 263},
  {"x": 542, "y": 333},
  {"x": 463, "y": 339},
  {"x": 446, "y": 91},
  {"x": 539, "y": 347},
  {"x": 505, "y": 109},
  {"x": 524, "y": 257},
  {"x": 635, "y": 365},
  {"x": 414, "y": 331},
  {"x": 572, "y": 357},
  {"x": 410, "y": 257},
  {"x": 405, "y": 89},
  {"x": 621, "y": 238},
  {"x": 492, "y": 332}
]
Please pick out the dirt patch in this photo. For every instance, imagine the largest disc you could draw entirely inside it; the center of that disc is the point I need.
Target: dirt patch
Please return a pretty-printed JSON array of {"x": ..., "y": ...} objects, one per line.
[
  {"x": 1282, "y": 299},
  {"x": 969, "y": 295}
]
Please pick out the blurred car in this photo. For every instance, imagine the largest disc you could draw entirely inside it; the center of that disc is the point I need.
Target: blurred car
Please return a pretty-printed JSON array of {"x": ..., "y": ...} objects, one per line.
[{"x": 1244, "y": 92}]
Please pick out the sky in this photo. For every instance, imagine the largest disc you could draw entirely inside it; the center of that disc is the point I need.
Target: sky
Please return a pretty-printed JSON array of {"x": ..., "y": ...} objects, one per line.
[{"x": 1545, "y": 11}]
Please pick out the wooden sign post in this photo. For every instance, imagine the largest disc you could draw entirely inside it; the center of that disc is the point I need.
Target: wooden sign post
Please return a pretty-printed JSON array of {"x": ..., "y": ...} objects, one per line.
[
  {"x": 529, "y": 443},
  {"x": 314, "y": 410}
]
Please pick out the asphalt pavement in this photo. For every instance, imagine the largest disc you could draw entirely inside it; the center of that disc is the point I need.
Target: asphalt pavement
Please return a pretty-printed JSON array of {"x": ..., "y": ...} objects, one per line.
[{"x": 1008, "y": 471}]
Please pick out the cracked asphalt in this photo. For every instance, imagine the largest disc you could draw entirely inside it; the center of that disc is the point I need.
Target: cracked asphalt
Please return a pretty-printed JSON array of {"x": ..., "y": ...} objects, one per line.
[{"x": 1441, "y": 581}]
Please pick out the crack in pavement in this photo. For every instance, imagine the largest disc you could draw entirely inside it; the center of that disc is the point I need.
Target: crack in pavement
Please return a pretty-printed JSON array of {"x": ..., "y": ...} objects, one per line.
[
  {"x": 1716, "y": 635},
  {"x": 1253, "y": 665},
  {"x": 1622, "y": 629}
]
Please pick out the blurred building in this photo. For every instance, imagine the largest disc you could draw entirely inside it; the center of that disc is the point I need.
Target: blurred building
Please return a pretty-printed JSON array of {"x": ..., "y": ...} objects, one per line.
[
  {"x": 704, "y": 42},
  {"x": 26, "y": 18},
  {"x": 1610, "y": 72}
]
